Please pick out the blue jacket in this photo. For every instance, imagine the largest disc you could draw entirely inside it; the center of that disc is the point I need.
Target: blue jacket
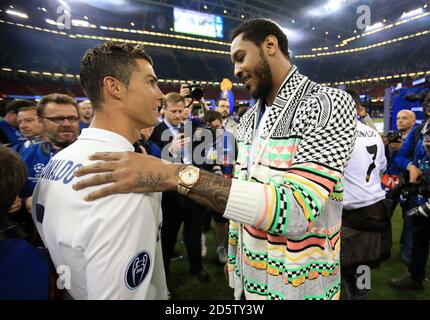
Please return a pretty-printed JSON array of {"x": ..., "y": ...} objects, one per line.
[
  {"x": 35, "y": 157},
  {"x": 12, "y": 134},
  {"x": 419, "y": 157},
  {"x": 24, "y": 271}
]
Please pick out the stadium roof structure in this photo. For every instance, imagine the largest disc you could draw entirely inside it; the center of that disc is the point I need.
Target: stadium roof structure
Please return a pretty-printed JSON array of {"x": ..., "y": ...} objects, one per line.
[
  {"x": 324, "y": 37},
  {"x": 309, "y": 23}
]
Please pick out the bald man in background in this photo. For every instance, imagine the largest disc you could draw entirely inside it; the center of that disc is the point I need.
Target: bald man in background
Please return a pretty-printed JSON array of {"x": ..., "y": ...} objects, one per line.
[{"x": 405, "y": 122}]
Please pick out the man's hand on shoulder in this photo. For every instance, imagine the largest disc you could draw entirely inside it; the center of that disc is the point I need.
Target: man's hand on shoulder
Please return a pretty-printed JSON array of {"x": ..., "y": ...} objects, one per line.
[{"x": 129, "y": 172}]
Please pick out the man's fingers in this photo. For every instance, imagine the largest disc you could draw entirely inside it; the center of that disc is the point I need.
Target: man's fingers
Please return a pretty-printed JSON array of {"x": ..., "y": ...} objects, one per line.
[
  {"x": 107, "y": 156},
  {"x": 103, "y": 192},
  {"x": 95, "y": 168},
  {"x": 93, "y": 181},
  {"x": 185, "y": 141}
]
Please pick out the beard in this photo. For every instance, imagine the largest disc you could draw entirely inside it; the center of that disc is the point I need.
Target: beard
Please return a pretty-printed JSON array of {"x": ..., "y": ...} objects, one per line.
[
  {"x": 263, "y": 76},
  {"x": 62, "y": 142}
]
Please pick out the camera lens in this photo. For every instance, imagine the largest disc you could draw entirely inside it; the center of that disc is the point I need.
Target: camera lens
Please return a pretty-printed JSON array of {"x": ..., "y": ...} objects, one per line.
[{"x": 197, "y": 93}]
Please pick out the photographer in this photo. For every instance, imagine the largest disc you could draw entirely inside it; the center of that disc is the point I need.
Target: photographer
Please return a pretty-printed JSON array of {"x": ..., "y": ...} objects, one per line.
[
  {"x": 420, "y": 224},
  {"x": 405, "y": 121},
  {"x": 193, "y": 92},
  {"x": 220, "y": 160}
]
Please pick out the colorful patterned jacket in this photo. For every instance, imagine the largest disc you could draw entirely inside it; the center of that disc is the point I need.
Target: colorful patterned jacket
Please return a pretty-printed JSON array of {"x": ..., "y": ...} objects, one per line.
[{"x": 287, "y": 243}]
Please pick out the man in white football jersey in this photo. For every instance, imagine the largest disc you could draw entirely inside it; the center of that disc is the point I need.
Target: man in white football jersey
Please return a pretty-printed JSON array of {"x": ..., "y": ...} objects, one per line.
[
  {"x": 109, "y": 249},
  {"x": 366, "y": 227}
]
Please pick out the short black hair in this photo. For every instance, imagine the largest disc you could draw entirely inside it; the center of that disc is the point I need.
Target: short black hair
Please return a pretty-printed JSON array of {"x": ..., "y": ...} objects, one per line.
[
  {"x": 212, "y": 115},
  {"x": 257, "y": 30},
  {"x": 115, "y": 59},
  {"x": 15, "y": 105},
  {"x": 219, "y": 100}
]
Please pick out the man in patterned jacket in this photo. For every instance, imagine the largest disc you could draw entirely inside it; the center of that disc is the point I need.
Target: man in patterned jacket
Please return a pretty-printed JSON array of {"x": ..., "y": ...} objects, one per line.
[{"x": 285, "y": 203}]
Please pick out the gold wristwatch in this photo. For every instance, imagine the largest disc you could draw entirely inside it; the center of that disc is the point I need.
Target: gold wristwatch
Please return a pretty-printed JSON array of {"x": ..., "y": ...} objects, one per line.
[{"x": 188, "y": 178}]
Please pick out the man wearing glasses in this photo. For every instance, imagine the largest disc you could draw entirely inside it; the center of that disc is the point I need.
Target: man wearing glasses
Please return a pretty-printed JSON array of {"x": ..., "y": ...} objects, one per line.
[{"x": 60, "y": 119}]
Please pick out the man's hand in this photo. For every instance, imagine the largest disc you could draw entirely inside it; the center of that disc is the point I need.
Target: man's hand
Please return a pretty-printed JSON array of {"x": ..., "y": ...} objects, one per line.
[
  {"x": 16, "y": 205},
  {"x": 185, "y": 91},
  {"x": 395, "y": 146},
  {"x": 385, "y": 140},
  {"x": 179, "y": 143},
  {"x": 129, "y": 172},
  {"x": 414, "y": 173},
  {"x": 138, "y": 173}
]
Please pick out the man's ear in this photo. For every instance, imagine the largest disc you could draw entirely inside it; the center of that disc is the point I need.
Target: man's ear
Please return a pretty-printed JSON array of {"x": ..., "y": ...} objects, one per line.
[
  {"x": 113, "y": 88},
  {"x": 270, "y": 45}
]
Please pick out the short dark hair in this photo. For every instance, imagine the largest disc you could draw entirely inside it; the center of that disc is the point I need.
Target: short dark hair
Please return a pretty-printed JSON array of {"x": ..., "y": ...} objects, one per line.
[
  {"x": 15, "y": 105},
  {"x": 59, "y": 98},
  {"x": 212, "y": 115},
  {"x": 113, "y": 59},
  {"x": 173, "y": 97},
  {"x": 355, "y": 96},
  {"x": 257, "y": 30},
  {"x": 13, "y": 173},
  {"x": 28, "y": 108},
  {"x": 219, "y": 100}
]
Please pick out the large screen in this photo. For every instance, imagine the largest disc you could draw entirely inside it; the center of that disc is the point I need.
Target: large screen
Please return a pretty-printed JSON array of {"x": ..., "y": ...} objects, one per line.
[{"x": 197, "y": 23}]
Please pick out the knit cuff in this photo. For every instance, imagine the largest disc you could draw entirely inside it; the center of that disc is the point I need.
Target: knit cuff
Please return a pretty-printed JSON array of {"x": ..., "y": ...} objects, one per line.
[{"x": 244, "y": 202}]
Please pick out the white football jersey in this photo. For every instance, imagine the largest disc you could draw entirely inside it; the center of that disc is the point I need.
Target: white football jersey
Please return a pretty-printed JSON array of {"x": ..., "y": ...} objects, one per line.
[
  {"x": 106, "y": 249},
  {"x": 362, "y": 174}
]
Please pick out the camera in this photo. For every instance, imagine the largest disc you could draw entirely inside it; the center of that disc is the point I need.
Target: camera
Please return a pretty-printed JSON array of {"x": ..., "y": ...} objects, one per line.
[
  {"x": 406, "y": 190},
  {"x": 394, "y": 136},
  {"x": 196, "y": 92},
  {"x": 422, "y": 210}
]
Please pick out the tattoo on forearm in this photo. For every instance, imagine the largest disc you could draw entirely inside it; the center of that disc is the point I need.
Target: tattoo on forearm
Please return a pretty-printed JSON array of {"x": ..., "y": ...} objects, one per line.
[
  {"x": 211, "y": 191},
  {"x": 150, "y": 181}
]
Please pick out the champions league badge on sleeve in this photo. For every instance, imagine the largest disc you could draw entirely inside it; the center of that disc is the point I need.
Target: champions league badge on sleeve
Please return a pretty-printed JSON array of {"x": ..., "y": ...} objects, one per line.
[{"x": 137, "y": 270}]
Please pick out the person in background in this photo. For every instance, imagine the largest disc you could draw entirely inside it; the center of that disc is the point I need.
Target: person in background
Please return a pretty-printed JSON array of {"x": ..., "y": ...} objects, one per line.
[
  {"x": 366, "y": 226},
  {"x": 228, "y": 122},
  {"x": 393, "y": 142},
  {"x": 30, "y": 126},
  {"x": 169, "y": 137},
  {"x": 220, "y": 158},
  {"x": 25, "y": 272},
  {"x": 362, "y": 114},
  {"x": 414, "y": 157},
  {"x": 60, "y": 119},
  {"x": 9, "y": 132},
  {"x": 85, "y": 113}
]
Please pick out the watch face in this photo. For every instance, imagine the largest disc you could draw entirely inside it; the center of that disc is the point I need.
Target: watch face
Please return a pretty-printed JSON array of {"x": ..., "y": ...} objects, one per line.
[{"x": 189, "y": 176}]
